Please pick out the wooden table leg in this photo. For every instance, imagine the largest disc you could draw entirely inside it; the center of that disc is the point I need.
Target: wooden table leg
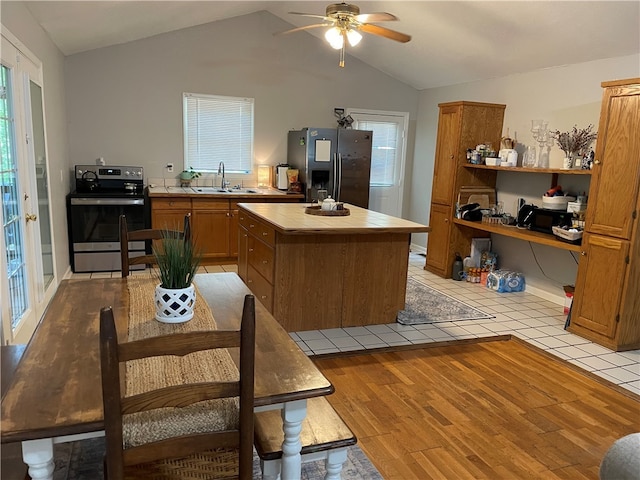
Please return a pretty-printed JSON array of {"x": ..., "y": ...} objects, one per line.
[
  {"x": 38, "y": 455},
  {"x": 293, "y": 414}
]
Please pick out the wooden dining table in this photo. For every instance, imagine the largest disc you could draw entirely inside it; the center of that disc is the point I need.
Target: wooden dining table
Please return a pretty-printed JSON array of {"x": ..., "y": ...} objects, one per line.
[{"x": 55, "y": 395}]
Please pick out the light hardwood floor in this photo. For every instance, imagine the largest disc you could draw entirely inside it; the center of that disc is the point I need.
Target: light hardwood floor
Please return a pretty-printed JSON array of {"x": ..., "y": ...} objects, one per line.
[{"x": 489, "y": 410}]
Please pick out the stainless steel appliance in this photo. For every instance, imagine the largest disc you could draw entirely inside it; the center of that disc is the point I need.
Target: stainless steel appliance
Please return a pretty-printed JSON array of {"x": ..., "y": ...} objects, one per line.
[
  {"x": 336, "y": 160},
  {"x": 102, "y": 194}
]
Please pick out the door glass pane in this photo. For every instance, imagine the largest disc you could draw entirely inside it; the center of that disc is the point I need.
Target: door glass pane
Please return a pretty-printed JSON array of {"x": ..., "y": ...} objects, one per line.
[
  {"x": 11, "y": 215},
  {"x": 37, "y": 118},
  {"x": 384, "y": 151}
]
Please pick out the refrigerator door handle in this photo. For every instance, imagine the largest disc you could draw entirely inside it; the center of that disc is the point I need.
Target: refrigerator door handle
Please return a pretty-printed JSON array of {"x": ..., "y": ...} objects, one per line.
[
  {"x": 339, "y": 176},
  {"x": 334, "y": 186}
]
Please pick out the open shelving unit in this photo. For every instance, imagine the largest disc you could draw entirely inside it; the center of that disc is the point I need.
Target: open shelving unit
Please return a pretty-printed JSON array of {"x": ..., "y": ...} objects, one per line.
[
  {"x": 521, "y": 234},
  {"x": 553, "y": 171}
]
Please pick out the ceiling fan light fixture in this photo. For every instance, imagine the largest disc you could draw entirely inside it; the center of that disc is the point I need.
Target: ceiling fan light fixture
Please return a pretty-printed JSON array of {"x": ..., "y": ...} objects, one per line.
[
  {"x": 354, "y": 37},
  {"x": 334, "y": 37}
]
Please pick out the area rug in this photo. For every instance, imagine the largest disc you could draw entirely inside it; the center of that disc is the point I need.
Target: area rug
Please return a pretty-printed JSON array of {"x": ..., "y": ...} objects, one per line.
[
  {"x": 423, "y": 304},
  {"x": 83, "y": 461}
]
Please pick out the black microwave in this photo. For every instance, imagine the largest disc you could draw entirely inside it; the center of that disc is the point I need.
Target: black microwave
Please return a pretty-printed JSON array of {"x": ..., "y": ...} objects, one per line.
[{"x": 542, "y": 219}]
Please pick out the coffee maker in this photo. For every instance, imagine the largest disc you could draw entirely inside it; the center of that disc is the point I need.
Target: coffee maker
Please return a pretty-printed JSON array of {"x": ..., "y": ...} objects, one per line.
[{"x": 282, "y": 182}]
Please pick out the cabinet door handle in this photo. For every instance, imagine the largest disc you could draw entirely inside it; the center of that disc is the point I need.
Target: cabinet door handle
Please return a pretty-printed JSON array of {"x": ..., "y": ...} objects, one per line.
[
  {"x": 265, "y": 234},
  {"x": 446, "y": 220},
  {"x": 265, "y": 261},
  {"x": 251, "y": 225},
  {"x": 597, "y": 162},
  {"x": 583, "y": 253},
  {"x": 251, "y": 249},
  {"x": 249, "y": 281},
  {"x": 263, "y": 297}
]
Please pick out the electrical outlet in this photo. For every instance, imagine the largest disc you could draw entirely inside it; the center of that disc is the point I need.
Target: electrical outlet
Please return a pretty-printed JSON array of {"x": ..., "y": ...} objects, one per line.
[{"x": 170, "y": 167}]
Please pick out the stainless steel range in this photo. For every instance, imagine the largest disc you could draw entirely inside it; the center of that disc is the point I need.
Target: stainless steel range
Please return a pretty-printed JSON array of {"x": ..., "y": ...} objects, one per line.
[{"x": 102, "y": 194}]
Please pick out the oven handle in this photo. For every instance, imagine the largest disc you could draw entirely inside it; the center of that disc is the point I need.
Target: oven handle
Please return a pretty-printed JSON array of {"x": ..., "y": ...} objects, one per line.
[{"x": 107, "y": 201}]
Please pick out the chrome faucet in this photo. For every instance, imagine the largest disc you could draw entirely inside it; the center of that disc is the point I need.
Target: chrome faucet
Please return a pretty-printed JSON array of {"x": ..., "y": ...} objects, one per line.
[{"x": 223, "y": 183}]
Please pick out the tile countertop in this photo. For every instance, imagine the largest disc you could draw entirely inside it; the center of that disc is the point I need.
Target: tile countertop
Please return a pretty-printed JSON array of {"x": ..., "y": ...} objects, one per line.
[
  {"x": 211, "y": 192},
  {"x": 291, "y": 219}
]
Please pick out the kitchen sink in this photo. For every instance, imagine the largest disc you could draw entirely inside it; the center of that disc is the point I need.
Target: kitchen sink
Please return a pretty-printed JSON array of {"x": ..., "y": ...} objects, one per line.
[{"x": 228, "y": 191}]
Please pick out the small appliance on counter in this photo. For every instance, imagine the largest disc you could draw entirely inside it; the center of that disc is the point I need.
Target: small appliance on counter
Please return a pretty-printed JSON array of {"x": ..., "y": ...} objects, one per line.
[{"x": 282, "y": 182}]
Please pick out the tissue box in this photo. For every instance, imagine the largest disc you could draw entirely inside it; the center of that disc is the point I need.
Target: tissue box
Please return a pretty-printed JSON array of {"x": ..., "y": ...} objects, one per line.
[{"x": 504, "y": 281}]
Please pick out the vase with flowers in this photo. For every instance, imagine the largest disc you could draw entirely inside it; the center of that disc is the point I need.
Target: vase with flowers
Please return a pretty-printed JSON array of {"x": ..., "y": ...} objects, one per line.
[{"x": 574, "y": 143}]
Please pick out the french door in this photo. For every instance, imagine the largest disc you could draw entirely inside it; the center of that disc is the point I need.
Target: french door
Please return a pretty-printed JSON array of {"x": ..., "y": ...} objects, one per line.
[
  {"x": 387, "y": 157},
  {"x": 27, "y": 273}
]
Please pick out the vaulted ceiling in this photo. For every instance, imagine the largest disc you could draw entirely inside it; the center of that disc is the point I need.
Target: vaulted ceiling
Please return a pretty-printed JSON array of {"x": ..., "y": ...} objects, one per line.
[{"x": 452, "y": 42}]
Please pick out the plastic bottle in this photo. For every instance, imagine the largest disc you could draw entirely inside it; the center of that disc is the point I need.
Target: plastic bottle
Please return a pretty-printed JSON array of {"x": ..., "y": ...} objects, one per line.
[{"x": 457, "y": 272}]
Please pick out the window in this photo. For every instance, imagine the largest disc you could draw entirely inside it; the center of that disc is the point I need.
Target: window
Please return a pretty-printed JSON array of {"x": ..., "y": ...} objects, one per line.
[
  {"x": 384, "y": 151},
  {"x": 218, "y": 128}
]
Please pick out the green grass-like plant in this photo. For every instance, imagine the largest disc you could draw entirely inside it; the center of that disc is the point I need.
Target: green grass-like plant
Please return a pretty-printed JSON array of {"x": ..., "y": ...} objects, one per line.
[{"x": 177, "y": 260}]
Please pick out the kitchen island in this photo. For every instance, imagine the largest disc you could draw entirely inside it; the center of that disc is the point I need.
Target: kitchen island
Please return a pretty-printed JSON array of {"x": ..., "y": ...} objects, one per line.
[{"x": 316, "y": 272}]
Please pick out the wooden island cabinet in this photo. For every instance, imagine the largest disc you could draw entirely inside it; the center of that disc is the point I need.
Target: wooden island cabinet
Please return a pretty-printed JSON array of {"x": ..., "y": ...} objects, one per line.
[{"x": 315, "y": 272}]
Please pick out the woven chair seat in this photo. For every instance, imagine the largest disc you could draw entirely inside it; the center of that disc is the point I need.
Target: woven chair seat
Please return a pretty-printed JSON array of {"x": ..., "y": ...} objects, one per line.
[{"x": 214, "y": 464}]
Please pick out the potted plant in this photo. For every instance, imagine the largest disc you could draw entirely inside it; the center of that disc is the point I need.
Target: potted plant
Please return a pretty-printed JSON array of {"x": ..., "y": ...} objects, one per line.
[
  {"x": 177, "y": 260},
  {"x": 186, "y": 176}
]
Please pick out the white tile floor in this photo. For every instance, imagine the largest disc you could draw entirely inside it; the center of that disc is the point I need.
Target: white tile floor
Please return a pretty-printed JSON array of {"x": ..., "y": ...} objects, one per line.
[{"x": 524, "y": 315}]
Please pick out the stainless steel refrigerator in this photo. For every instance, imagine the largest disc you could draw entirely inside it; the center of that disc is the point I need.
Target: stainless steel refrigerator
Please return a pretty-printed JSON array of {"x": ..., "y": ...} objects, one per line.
[{"x": 334, "y": 159}]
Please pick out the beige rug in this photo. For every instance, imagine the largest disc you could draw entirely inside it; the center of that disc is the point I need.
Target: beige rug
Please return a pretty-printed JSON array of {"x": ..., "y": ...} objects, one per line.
[{"x": 151, "y": 373}]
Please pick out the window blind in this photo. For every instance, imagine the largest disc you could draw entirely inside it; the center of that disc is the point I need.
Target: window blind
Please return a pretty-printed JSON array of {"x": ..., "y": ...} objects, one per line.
[
  {"x": 384, "y": 151},
  {"x": 218, "y": 128}
]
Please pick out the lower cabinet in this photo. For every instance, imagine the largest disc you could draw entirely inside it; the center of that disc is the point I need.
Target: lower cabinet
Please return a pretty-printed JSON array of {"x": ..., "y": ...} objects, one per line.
[
  {"x": 214, "y": 223},
  {"x": 256, "y": 258},
  {"x": 211, "y": 227},
  {"x": 606, "y": 316},
  {"x": 438, "y": 251}
]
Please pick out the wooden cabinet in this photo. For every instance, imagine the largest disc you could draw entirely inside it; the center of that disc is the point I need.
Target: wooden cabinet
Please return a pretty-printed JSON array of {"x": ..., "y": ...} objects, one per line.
[
  {"x": 256, "y": 258},
  {"x": 461, "y": 125},
  {"x": 214, "y": 222},
  {"x": 211, "y": 226},
  {"x": 169, "y": 213},
  {"x": 606, "y": 305}
]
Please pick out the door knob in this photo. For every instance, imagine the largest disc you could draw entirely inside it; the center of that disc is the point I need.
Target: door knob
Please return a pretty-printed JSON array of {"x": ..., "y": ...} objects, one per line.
[{"x": 31, "y": 217}]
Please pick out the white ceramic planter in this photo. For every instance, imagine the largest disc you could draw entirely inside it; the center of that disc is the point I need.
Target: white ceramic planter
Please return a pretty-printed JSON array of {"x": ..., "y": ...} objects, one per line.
[{"x": 175, "y": 305}]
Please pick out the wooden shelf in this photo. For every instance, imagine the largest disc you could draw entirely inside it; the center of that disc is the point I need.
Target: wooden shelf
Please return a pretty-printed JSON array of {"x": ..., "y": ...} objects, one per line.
[
  {"x": 556, "y": 171},
  {"x": 521, "y": 234}
]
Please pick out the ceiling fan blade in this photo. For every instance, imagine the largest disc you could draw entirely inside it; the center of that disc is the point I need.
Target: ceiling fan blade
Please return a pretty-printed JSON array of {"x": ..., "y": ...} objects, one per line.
[
  {"x": 375, "y": 17},
  {"x": 300, "y": 29},
  {"x": 385, "y": 32},
  {"x": 313, "y": 15}
]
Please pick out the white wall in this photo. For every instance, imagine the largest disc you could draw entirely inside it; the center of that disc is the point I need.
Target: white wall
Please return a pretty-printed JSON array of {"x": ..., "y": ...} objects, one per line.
[
  {"x": 125, "y": 102},
  {"x": 18, "y": 20},
  {"x": 564, "y": 96}
]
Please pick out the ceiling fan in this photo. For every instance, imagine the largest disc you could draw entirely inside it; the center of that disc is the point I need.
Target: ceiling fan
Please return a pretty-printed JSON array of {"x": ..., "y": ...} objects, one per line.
[{"x": 345, "y": 22}]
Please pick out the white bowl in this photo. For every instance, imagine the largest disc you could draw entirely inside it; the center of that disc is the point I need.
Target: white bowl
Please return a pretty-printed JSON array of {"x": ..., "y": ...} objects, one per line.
[
  {"x": 492, "y": 161},
  {"x": 556, "y": 203}
]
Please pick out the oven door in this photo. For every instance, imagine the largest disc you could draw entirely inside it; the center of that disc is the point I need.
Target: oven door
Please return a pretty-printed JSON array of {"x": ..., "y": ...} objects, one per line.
[{"x": 94, "y": 231}]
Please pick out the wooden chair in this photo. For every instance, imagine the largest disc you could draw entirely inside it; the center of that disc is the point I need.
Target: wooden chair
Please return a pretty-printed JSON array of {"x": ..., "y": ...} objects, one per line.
[
  {"x": 227, "y": 453},
  {"x": 145, "y": 235}
]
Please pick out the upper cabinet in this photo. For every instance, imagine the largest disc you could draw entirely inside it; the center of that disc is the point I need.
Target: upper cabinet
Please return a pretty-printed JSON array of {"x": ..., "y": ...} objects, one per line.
[{"x": 614, "y": 185}]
